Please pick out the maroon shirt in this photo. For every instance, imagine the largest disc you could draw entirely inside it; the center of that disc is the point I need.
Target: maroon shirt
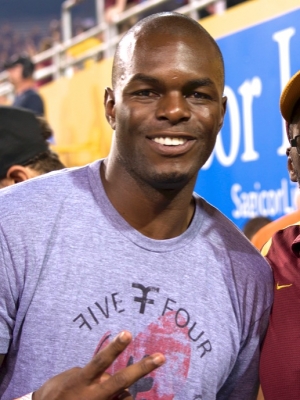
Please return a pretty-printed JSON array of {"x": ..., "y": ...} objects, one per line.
[{"x": 280, "y": 358}]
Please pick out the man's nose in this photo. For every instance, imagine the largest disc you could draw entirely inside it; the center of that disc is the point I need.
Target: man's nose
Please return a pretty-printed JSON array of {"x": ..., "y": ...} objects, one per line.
[{"x": 174, "y": 108}]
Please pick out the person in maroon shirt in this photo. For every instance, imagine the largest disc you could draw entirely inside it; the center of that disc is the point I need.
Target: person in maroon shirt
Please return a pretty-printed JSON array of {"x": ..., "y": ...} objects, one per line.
[{"x": 280, "y": 359}]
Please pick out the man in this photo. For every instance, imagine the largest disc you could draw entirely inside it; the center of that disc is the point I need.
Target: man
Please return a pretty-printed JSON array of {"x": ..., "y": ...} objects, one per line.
[
  {"x": 24, "y": 150},
  {"x": 124, "y": 244},
  {"x": 280, "y": 362},
  {"x": 20, "y": 73},
  {"x": 264, "y": 234}
]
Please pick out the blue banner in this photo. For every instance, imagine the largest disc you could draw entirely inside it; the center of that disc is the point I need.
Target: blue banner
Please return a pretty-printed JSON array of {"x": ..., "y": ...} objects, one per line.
[{"x": 246, "y": 175}]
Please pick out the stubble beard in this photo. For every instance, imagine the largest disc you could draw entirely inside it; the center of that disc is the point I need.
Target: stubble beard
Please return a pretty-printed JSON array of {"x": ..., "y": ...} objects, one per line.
[{"x": 146, "y": 176}]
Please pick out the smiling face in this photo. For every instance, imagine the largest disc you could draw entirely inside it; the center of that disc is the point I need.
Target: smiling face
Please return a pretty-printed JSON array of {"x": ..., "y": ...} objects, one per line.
[{"x": 166, "y": 107}]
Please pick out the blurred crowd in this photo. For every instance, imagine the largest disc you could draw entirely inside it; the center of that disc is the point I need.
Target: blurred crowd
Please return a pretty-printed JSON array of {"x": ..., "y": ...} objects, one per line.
[
  {"x": 32, "y": 41},
  {"x": 37, "y": 38}
]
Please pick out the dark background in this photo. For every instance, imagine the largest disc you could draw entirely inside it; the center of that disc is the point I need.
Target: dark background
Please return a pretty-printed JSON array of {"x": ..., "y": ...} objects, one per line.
[
  {"x": 19, "y": 8},
  {"x": 40, "y": 8},
  {"x": 32, "y": 26}
]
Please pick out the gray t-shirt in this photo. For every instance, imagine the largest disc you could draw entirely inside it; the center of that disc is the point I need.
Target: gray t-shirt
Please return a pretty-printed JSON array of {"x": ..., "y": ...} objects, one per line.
[{"x": 74, "y": 273}]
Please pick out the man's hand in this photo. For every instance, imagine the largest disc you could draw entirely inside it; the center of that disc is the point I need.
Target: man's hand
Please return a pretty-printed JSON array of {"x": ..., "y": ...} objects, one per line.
[{"x": 92, "y": 383}]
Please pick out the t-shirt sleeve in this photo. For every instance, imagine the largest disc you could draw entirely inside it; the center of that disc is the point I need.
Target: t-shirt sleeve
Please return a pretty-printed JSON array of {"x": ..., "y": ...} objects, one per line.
[
  {"x": 8, "y": 295},
  {"x": 243, "y": 381}
]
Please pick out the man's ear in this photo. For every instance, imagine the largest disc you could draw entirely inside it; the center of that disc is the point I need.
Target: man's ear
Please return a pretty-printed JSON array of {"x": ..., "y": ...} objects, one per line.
[
  {"x": 290, "y": 166},
  {"x": 224, "y": 106},
  {"x": 17, "y": 174},
  {"x": 109, "y": 104}
]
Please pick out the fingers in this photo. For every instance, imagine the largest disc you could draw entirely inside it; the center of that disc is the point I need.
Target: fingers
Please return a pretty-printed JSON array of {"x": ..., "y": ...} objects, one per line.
[
  {"x": 127, "y": 376},
  {"x": 104, "y": 377},
  {"x": 102, "y": 360},
  {"x": 125, "y": 395},
  {"x": 92, "y": 382},
  {"x": 115, "y": 386}
]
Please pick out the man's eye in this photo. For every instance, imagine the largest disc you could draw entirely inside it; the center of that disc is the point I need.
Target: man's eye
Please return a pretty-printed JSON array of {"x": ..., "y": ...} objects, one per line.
[
  {"x": 199, "y": 95},
  {"x": 144, "y": 93}
]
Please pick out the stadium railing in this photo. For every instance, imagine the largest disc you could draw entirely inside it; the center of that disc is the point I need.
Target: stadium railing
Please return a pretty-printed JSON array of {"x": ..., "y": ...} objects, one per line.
[{"x": 62, "y": 64}]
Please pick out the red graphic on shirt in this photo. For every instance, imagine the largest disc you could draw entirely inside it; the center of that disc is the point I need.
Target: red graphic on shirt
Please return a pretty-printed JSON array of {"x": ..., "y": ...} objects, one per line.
[{"x": 162, "y": 336}]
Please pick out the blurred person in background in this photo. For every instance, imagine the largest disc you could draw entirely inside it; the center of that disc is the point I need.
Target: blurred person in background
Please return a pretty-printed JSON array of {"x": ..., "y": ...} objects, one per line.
[
  {"x": 218, "y": 7},
  {"x": 46, "y": 44},
  {"x": 24, "y": 147},
  {"x": 168, "y": 5},
  {"x": 113, "y": 8},
  {"x": 55, "y": 30},
  {"x": 280, "y": 358},
  {"x": 20, "y": 70},
  {"x": 255, "y": 224}
]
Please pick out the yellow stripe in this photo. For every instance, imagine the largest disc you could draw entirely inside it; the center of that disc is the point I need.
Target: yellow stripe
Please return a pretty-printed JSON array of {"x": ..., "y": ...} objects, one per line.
[
  {"x": 247, "y": 14},
  {"x": 266, "y": 247}
]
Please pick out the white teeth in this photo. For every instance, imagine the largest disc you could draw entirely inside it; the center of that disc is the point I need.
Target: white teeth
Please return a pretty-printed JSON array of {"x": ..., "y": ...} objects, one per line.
[{"x": 168, "y": 141}]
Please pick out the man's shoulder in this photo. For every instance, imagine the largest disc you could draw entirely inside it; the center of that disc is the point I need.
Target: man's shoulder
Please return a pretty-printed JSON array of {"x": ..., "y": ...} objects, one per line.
[
  {"x": 32, "y": 95},
  {"x": 241, "y": 264},
  {"x": 30, "y": 99},
  {"x": 43, "y": 191},
  {"x": 28, "y": 94},
  {"x": 223, "y": 234},
  {"x": 221, "y": 227},
  {"x": 31, "y": 92},
  {"x": 284, "y": 243},
  {"x": 49, "y": 206}
]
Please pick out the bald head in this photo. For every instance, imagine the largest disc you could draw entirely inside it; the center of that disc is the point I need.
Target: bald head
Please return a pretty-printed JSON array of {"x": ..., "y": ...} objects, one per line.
[{"x": 163, "y": 26}]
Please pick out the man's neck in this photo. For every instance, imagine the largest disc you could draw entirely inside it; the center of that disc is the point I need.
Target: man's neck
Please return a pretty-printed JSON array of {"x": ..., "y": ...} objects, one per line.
[
  {"x": 24, "y": 85},
  {"x": 154, "y": 213}
]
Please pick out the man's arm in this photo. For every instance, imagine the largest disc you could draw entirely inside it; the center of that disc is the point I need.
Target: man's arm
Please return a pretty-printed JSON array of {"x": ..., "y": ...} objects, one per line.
[
  {"x": 243, "y": 381},
  {"x": 91, "y": 381}
]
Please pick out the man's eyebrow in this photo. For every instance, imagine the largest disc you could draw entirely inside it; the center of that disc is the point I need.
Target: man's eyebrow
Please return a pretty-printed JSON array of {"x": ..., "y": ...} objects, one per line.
[
  {"x": 144, "y": 78},
  {"x": 194, "y": 83}
]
